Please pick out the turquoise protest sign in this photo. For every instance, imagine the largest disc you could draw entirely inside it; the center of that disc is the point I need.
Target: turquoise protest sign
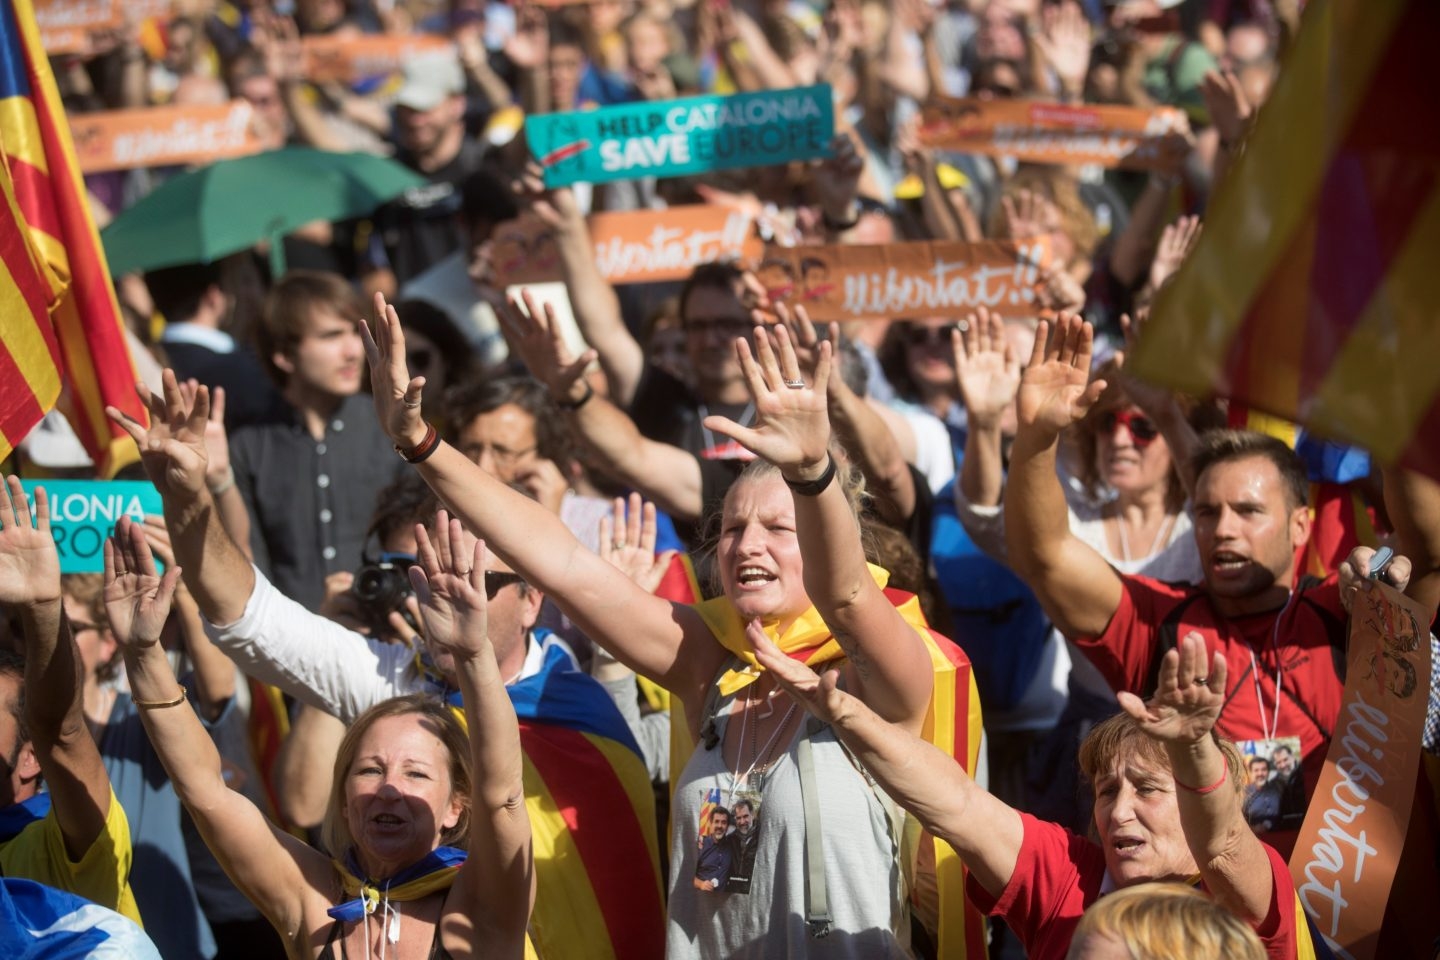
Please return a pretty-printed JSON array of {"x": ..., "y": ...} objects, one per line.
[
  {"x": 83, "y": 514},
  {"x": 674, "y": 138}
]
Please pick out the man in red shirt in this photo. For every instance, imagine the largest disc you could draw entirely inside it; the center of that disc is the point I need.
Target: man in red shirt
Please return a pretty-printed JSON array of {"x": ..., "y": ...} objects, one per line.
[{"x": 1284, "y": 648}]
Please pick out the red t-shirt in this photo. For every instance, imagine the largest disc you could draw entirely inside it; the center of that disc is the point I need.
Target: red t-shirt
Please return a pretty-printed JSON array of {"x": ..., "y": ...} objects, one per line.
[
  {"x": 1303, "y": 645},
  {"x": 1058, "y": 874}
]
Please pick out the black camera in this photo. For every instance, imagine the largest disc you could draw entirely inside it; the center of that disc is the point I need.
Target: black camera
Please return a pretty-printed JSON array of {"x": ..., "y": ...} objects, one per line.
[{"x": 381, "y": 587}]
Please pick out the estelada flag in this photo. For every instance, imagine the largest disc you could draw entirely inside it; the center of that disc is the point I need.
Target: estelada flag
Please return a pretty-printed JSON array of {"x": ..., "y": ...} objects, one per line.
[
  {"x": 93, "y": 358},
  {"x": 1312, "y": 293}
]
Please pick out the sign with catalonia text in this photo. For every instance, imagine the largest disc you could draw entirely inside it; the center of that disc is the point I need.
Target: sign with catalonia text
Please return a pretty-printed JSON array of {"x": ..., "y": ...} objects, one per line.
[
  {"x": 675, "y": 138},
  {"x": 83, "y": 514}
]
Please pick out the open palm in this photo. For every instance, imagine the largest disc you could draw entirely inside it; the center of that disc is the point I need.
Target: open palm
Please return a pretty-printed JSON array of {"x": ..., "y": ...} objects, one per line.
[
  {"x": 137, "y": 598},
  {"x": 1189, "y": 696},
  {"x": 985, "y": 368},
  {"x": 29, "y": 563},
  {"x": 449, "y": 581},
  {"x": 172, "y": 450},
  {"x": 1055, "y": 389}
]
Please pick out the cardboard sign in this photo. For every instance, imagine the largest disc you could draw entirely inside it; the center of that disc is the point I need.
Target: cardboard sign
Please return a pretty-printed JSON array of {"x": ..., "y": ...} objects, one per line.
[
  {"x": 640, "y": 246},
  {"x": 1057, "y": 133},
  {"x": 673, "y": 138},
  {"x": 83, "y": 514},
  {"x": 162, "y": 136},
  {"x": 66, "y": 25},
  {"x": 348, "y": 59},
  {"x": 905, "y": 280},
  {"x": 1344, "y": 862}
]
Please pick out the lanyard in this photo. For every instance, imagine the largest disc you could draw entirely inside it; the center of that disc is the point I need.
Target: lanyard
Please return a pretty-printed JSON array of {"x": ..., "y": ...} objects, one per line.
[{"x": 1274, "y": 726}]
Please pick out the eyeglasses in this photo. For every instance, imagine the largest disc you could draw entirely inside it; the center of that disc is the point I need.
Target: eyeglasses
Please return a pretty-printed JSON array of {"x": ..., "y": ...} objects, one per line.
[
  {"x": 727, "y": 327},
  {"x": 495, "y": 581},
  {"x": 929, "y": 336},
  {"x": 1142, "y": 429}
]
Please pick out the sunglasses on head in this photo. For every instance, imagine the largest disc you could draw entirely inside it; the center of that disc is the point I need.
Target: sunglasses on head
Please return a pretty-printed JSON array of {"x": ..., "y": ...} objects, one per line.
[
  {"x": 1142, "y": 429},
  {"x": 925, "y": 336},
  {"x": 495, "y": 581}
]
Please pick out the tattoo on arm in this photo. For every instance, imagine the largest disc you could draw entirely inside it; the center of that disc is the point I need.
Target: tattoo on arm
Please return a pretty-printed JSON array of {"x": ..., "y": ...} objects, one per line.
[{"x": 854, "y": 653}]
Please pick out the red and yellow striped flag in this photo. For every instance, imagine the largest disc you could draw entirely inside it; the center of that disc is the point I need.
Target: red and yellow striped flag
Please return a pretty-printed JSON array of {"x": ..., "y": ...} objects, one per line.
[
  {"x": 49, "y": 196},
  {"x": 1312, "y": 294}
]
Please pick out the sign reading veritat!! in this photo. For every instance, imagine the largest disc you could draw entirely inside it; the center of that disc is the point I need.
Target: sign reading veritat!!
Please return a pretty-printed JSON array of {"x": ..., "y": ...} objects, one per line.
[
  {"x": 1350, "y": 845},
  {"x": 673, "y": 138},
  {"x": 83, "y": 514},
  {"x": 1040, "y": 132}
]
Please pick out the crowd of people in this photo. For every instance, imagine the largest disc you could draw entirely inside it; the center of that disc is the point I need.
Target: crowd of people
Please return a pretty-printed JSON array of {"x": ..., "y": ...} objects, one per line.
[{"x": 567, "y": 619}]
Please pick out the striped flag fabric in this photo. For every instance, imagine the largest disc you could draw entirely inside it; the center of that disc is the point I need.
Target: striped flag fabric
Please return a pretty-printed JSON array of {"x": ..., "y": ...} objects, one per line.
[
  {"x": 42, "y": 923},
  {"x": 1312, "y": 293},
  {"x": 49, "y": 196}
]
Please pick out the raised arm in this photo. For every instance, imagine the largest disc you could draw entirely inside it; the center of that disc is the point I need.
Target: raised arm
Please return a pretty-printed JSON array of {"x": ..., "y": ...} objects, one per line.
[
  {"x": 1078, "y": 589},
  {"x": 67, "y": 755},
  {"x": 662, "y": 473},
  {"x": 984, "y": 831},
  {"x": 592, "y": 298},
  {"x": 988, "y": 376},
  {"x": 496, "y": 885},
  {"x": 272, "y": 869},
  {"x": 173, "y": 453},
  {"x": 663, "y": 643},
  {"x": 1182, "y": 716},
  {"x": 889, "y": 667},
  {"x": 1413, "y": 502}
]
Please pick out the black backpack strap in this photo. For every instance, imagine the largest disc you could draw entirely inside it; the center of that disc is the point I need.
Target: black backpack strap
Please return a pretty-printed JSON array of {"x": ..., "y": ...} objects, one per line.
[{"x": 1167, "y": 638}]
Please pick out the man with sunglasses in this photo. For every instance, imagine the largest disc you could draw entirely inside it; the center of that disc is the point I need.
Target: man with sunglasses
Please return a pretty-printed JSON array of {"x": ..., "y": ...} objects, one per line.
[{"x": 1285, "y": 646}]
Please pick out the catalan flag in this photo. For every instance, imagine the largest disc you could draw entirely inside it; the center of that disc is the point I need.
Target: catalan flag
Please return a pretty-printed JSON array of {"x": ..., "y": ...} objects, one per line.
[
  {"x": 592, "y": 819},
  {"x": 953, "y": 723},
  {"x": 93, "y": 360},
  {"x": 1312, "y": 293}
]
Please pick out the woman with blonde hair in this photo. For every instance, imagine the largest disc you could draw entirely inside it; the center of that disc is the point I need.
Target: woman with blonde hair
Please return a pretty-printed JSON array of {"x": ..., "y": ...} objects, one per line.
[
  {"x": 1162, "y": 921},
  {"x": 409, "y": 786}
]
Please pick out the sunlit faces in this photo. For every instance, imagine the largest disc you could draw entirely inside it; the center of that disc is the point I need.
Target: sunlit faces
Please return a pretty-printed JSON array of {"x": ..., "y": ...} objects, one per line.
[
  {"x": 421, "y": 131},
  {"x": 1138, "y": 821},
  {"x": 330, "y": 357},
  {"x": 1246, "y": 530},
  {"x": 1131, "y": 463},
  {"x": 713, "y": 317},
  {"x": 502, "y": 442},
  {"x": 719, "y": 825},
  {"x": 398, "y": 794},
  {"x": 930, "y": 355},
  {"x": 758, "y": 552}
]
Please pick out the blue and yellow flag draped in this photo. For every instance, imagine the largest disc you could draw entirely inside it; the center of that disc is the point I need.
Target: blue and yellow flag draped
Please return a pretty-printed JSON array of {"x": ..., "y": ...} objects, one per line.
[
  {"x": 592, "y": 818},
  {"x": 1311, "y": 294},
  {"x": 62, "y": 323},
  {"x": 953, "y": 723}
]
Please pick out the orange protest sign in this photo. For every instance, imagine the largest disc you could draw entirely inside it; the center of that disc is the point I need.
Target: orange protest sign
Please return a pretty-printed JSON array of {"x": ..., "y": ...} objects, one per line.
[
  {"x": 1057, "y": 133},
  {"x": 1344, "y": 862},
  {"x": 347, "y": 59},
  {"x": 639, "y": 246},
  {"x": 66, "y": 25},
  {"x": 900, "y": 280},
  {"x": 162, "y": 136}
]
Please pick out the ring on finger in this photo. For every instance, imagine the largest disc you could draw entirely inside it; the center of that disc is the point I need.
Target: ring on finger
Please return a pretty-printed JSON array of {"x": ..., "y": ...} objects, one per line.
[
  {"x": 1201, "y": 681},
  {"x": 796, "y": 384}
]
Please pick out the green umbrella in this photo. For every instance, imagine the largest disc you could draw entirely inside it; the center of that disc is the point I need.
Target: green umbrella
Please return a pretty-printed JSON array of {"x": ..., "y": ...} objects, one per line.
[{"x": 231, "y": 205}]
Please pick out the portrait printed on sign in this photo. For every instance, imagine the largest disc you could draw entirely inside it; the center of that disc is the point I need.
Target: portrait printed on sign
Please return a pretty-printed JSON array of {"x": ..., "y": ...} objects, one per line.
[
  {"x": 1274, "y": 784},
  {"x": 744, "y": 840},
  {"x": 729, "y": 837}
]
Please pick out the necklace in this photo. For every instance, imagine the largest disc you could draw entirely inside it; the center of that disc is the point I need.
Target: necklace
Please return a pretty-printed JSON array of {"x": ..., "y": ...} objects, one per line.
[
  {"x": 1160, "y": 536},
  {"x": 752, "y": 780}
]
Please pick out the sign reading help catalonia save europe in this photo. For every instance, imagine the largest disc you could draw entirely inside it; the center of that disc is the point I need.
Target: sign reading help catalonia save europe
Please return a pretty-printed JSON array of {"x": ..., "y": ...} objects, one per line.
[{"x": 673, "y": 138}]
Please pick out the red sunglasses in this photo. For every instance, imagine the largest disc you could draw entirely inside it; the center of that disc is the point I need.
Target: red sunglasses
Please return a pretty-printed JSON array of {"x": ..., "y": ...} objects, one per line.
[{"x": 1142, "y": 429}]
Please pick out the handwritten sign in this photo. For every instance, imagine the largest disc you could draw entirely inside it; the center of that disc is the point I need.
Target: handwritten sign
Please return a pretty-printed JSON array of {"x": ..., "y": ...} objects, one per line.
[
  {"x": 1111, "y": 136},
  {"x": 921, "y": 279},
  {"x": 1344, "y": 862},
  {"x": 83, "y": 514},
  {"x": 673, "y": 138},
  {"x": 162, "y": 136},
  {"x": 639, "y": 246},
  {"x": 348, "y": 59}
]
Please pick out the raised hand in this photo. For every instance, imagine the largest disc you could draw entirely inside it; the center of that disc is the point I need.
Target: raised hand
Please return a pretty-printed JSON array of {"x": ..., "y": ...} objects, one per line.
[
  {"x": 1230, "y": 110},
  {"x": 805, "y": 339},
  {"x": 837, "y": 179},
  {"x": 1064, "y": 42},
  {"x": 534, "y": 333},
  {"x": 1188, "y": 700},
  {"x": 1053, "y": 388},
  {"x": 137, "y": 598},
  {"x": 628, "y": 543},
  {"x": 792, "y": 426},
  {"x": 449, "y": 582},
  {"x": 529, "y": 46},
  {"x": 172, "y": 450},
  {"x": 1176, "y": 242},
  {"x": 554, "y": 206},
  {"x": 29, "y": 562},
  {"x": 397, "y": 396},
  {"x": 1354, "y": 574},
  {"x": 986, "y": 370},
  {"x": 1147, "y": 396},
  {"x": 1029, "y": 215},
  {"x": 217, "y": 442}
]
